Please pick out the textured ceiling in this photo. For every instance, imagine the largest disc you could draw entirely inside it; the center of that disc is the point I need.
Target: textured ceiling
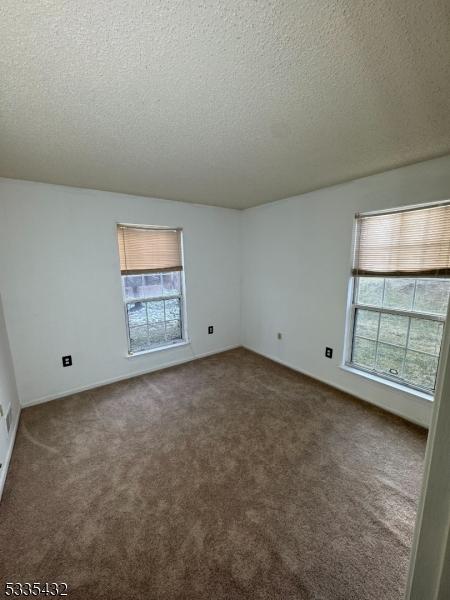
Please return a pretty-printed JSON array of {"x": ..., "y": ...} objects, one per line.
[{"x": 227, "y": 102}]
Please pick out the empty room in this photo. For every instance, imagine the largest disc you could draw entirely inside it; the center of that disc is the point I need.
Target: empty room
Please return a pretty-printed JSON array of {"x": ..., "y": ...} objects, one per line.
[{"x": 224, "y": 289}]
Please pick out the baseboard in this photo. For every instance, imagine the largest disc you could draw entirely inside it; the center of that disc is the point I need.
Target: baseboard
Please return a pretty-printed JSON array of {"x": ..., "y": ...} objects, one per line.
[
  {"x": 335, "y": 386},
  {"x": 9, "y": 454},
  {"x": 174, "y": 363},
  {"x": 97, "y": 384}
]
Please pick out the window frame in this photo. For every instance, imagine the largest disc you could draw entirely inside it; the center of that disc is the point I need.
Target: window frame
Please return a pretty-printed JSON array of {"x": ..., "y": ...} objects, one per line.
[
  {"x": 181, "y": 296},
  {"x": 353, "y": 305}
]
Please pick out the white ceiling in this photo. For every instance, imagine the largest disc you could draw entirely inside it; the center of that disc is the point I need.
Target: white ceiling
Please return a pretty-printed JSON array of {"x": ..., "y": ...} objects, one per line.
[{"x": 227, "y": 102}]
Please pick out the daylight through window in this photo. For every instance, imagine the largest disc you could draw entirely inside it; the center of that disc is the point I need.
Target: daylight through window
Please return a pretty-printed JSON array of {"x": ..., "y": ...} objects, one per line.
[
  {"x": 397, "y": 321},
  {"x": 151, "y": 267},
  {"x": 398, "y": 325}
]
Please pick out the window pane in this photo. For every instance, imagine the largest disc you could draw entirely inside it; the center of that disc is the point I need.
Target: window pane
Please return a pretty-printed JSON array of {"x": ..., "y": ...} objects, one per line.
[
  {"x": 403, "y": 347},
  {"x": 366, "y": 324},
  {"x": 137, "y": 315},
  {"x": 138, "y": 339},
  {"x": 399, "y": 293},
  {"x": 425, "y": 336},
  {"x": 173, "y": 330},
  {"x": 152, "y": 285},
  {"x": 393, "y": 329},
  {"x": 420, "y": 369},
  {"x": 370, "y": 290},
  {"x": 432, "y": 296},
  {"x": 390, "y": 359},
  {"x": 132, "y": 285},
  {"x": 155, "y": 311},
  {"x": 171, "y": 283},
  {"x": 142, "y": 286},
  {"x": 364, "y": 352},
  {"x": 172, "y": 309},
  {"x": 156, "y": 333}
]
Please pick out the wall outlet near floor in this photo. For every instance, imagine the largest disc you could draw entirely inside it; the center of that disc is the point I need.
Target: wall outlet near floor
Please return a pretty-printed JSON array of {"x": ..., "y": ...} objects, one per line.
[
  {"x": 329, "y": 352},
  {"x": 67, "y": 361},
  {"x": 279, "y": 336},
  {"x": 210, "y": 329}
]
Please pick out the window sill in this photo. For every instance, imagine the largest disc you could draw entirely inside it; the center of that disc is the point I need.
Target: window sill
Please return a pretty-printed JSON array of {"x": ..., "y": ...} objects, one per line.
[
  {"x": 392, "y": 384},
  {"x": 159, "y": 349}
]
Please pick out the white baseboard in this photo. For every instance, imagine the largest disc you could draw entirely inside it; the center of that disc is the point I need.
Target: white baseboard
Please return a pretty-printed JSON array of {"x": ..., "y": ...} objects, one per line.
[
  {"x": 96, "y": 384},
  {"x": 9, "y": 454},
  {"x": 337, "y": 387}
]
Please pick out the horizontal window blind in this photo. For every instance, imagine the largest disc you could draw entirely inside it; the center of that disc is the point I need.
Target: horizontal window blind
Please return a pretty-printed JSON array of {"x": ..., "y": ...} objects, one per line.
[
  {"x": 409, "y": 243},
  {"x": 145, "y": 250}
]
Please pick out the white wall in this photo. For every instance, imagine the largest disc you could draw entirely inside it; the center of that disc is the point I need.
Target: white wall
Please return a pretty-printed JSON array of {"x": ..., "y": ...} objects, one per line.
[
  {"x": 429, "y": 569},
  {"x": 296, "y": 264},
  {"x": 59, "y": 271},
  {"x": 8, "y": 400},
  {"x": 62, "y": 291}
]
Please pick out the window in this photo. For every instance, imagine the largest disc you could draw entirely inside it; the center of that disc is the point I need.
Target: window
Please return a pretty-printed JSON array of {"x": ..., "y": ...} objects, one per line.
[
  {"x": 152, "y": 282},
  {"x": 401, "y": 289},
  {"x": 398, "y": 326}
]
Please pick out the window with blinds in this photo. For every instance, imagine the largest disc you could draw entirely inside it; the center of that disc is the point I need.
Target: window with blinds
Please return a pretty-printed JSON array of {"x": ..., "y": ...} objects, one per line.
[
  {"x": 401, "y": 288},
  {"x": 151, "y": 265}
]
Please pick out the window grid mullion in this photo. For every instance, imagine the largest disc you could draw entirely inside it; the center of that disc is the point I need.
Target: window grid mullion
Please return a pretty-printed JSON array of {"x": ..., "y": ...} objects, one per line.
[
  {"x": 378, "y": 338},
  {"x": 401, "y": 312},
  {"x": 413, "y": 301},
  {"x": 406, "y": 345},
  {"x": 379, "y": 325},
  {"x": 414, "y": 295},
  {"x": 148, "y": 324},
  {"x": 430, "y": 354},
  {"x": 436, "y": 345},
  {"x": 165, "y": 323},
  {"x": 151, "y": 299},
  {"x": 384, "y": 292}
]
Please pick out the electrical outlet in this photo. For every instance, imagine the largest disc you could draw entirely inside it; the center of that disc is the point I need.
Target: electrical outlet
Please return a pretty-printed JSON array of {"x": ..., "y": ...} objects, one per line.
[
  {"x": 210, "y": 329},
  {"x": 67, "y": 361},
  {"x": 329, "y": 352},
  {"x": 279, "y": 336}
]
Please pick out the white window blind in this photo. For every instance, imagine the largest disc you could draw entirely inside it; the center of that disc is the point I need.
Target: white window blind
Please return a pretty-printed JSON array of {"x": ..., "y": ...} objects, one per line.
[
  {"x": 407, "y": 243},
  {"x": 146, "y": 250}
]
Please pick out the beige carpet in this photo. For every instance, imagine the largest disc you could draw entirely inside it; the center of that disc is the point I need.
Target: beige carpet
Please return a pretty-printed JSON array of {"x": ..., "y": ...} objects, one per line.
[{"x": 228, "y": 477}]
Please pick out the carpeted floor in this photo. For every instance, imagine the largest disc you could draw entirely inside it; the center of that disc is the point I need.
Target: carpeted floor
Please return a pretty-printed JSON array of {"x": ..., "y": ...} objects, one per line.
[{"x": 224, "y": 478}]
